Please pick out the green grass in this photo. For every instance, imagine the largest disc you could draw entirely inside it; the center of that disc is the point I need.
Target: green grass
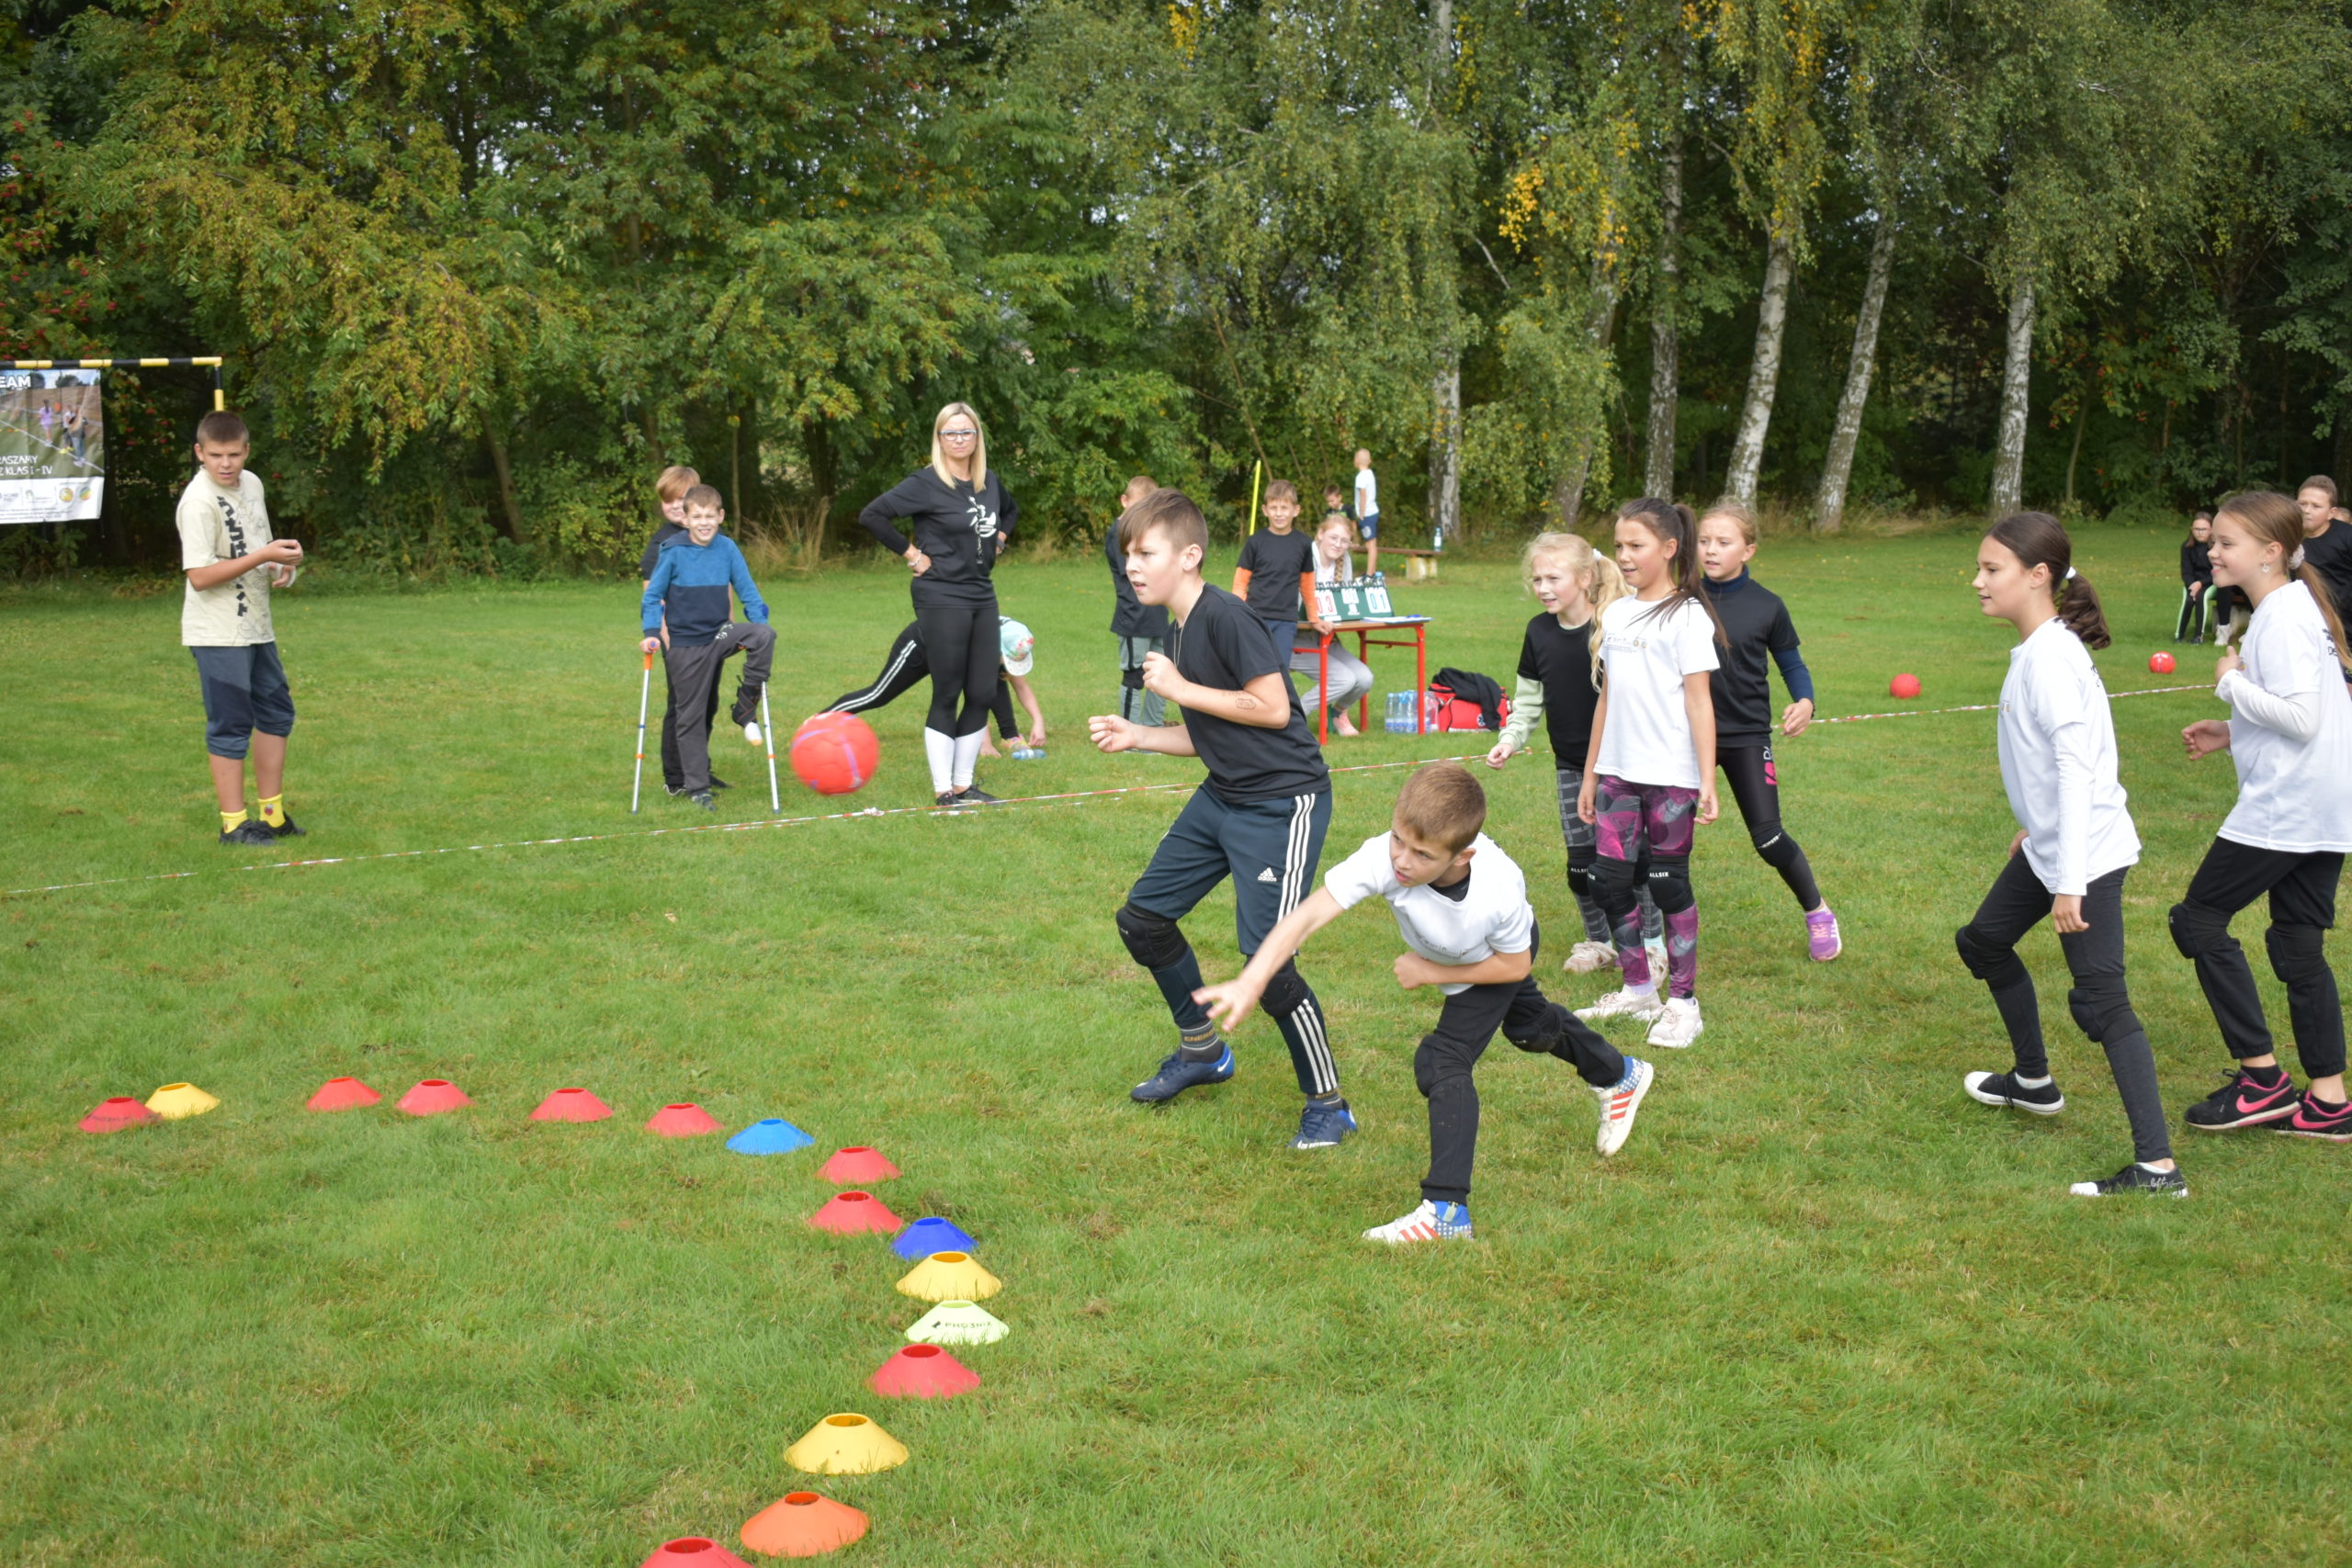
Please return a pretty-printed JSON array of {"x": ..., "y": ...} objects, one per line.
[{"x": 1822, "y": 1309}]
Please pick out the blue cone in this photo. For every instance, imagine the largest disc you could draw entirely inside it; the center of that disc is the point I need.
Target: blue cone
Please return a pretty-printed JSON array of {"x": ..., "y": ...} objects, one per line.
[
  {"x": 929, "y": 1234},
  {"x": 772, "y": 1136}
]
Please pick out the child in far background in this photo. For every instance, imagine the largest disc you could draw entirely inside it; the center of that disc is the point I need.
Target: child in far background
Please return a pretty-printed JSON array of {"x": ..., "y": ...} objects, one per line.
[
  {"x": 1351, "y": 676},
  {"x": 1559, "y": 683},
  {"x": 687, "y": 618},
  {"x": 1368, "y": 514},
  {"x": 670, "y": 500},
  {"x": 1018, "y": 650},
  {"x": 2196, "y": 578},
  {"x": 1335, "y": 503},
  {"x": 1141, "y": 629},
  {"x": 2327, "y": 541},
  {"x": 1650, "y": 780},
  {"x": 1275, "y": 576},
  {"x": 1756, "y": 623}
]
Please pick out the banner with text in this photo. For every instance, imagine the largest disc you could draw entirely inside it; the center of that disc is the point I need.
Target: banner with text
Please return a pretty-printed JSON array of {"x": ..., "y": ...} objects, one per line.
[{"x": 53, "y": 446}]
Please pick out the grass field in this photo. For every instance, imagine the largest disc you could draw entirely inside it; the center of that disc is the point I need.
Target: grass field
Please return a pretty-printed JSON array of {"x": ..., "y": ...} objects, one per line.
[{"x": 1823, "y": 1309}]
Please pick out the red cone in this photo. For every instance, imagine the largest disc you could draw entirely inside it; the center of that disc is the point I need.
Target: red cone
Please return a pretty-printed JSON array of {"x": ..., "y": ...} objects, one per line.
[
  {"x": 923, "y": 1371},
  {"x": 571, "y": 1105},
  {"x": 803, "y": 1524},
  {"x": 116, "y": 1113},
  {"x": 851, "y": 1213},
  {"x": 687, "y": 1121},
  {"x": 693, "y": 1552},
  {"x": 431, "y": 1097},
  {"x": 343, "y": 1094},
  {"x": 856, "y": 1166}
]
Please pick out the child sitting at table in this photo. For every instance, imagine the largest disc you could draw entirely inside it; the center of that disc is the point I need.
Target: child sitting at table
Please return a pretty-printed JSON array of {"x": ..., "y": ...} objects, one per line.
[{"x": 1350, "y": 677}]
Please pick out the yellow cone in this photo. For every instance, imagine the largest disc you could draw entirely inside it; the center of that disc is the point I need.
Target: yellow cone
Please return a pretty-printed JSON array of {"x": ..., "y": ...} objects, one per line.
[
  {"x": 846, "y": 1445},
  {"x": 174, "y": 1100},
  {"x": 950, "y": 1277}
]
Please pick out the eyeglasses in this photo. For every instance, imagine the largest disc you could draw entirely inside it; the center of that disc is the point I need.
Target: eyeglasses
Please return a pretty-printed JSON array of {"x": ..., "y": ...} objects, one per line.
[{"x": 957, "y": 435}]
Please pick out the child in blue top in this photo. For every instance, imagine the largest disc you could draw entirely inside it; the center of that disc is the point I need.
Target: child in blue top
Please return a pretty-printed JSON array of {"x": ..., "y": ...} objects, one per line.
[{"x": 688, "y": 589}]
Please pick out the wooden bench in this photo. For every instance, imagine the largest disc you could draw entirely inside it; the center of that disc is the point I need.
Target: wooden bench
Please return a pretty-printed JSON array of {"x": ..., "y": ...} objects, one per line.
[{"x": 1419, "y": 564}]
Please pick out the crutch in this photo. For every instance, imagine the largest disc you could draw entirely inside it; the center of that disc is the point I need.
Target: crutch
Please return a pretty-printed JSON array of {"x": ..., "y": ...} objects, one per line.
[
  {"x": 644, "y": 694},
  {"x": 767, "y": 734}
]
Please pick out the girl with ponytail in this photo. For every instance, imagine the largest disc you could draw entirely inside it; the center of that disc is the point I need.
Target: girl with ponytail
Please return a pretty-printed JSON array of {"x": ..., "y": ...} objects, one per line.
[
  {"x": 2075, "y": 844},
  {"x": 1650, "y": 775},
  {"x": 2289, "y": 731}
]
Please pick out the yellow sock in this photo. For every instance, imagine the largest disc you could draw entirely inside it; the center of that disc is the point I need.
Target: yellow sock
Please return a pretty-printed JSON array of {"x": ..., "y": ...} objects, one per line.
[
  {"x": 273, "y": 810},
  {"x": 232, "y": 821}
]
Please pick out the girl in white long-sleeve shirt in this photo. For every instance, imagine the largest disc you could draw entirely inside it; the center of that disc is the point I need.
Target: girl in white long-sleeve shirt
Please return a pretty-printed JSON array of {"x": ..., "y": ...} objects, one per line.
[
  {"x": 2075, "y": 843},
  {"x": 2291, "y": 733}
]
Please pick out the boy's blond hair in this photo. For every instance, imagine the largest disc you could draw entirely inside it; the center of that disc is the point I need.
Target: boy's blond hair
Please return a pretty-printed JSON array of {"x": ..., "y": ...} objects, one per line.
[
  {"x": 675, "y": 480},
  {"x": 1170, "y": 510},
  {"x": 1282, "y": 489},
  {"x": 1138, "y": 488},
  {"x": 1441, "y": 804},
  {"x": 1603, "y": 583},
  {"x": 704, "y": 495},
  {"x": 221, "y": 428}
]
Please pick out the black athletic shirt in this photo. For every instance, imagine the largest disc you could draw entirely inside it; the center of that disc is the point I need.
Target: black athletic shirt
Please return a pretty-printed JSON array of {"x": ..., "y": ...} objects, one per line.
[
  {"x": 1223, "y": 646},
  {"x": 652, "y": 556},
  {"x": 2331, "y": 555},
  {"x": 1131, "y": 617},
  {"x": 2196, "y": 562},
  {"x": 1275, "y": 563},
  {"x": 1756, "y": 622},
  {"x": 962, "y": 532},
  {"x": 1562, "y": 661}
]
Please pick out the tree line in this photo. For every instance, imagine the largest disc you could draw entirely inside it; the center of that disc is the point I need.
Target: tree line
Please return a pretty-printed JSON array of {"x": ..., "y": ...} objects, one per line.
[{"x": 481, "y": 268}]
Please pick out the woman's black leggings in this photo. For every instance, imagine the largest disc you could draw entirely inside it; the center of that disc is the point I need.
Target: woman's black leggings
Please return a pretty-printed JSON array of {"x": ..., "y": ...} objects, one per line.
[
  {"x": 1755, "y": 786},
  {"x": 960, "y": 642}
]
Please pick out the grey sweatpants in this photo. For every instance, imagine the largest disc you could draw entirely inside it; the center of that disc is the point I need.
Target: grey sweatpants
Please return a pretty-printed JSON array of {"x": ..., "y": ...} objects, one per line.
[
  {"x": 1583, "y": 849},
  {"x": 693, "y": 678},
  {"x": 1136, "y": 704}
]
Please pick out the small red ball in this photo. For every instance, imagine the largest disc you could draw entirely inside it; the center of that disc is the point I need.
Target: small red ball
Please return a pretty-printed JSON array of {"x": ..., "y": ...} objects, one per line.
[
  {"x": 1903, "y": 686},
  {"x": 834, "y": 753},
  {"x": 2160, "y": 662}
]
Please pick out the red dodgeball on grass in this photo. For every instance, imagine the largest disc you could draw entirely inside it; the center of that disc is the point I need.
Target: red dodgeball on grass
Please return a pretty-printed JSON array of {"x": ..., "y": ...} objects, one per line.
[
  {"x": 2160, "y": 662},
  {"x": 683, "y": 1120},
  {"x": 803, "y": 1524},
  {"x": 1904, "y": 686},
  {"x": 693, "y": 1552},
  {"x": 342, "y": 1094},
  {"x": 835, "y": 753},
  {"x": 856, "y": 1166},
  {"x": 853, "y": 1214},
  {"x": 571, "y": 1105},
  {"x": 116, "y": 1113},
  {"x": 923, "y": 1371},
  {"x": 431, "y": 1097}
]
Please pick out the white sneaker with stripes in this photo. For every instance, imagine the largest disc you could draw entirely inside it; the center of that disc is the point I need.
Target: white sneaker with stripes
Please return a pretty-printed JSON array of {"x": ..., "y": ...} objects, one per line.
[
  {"x": 1431, "y": 1221},
  {"x": 1618, "y": 1103}
]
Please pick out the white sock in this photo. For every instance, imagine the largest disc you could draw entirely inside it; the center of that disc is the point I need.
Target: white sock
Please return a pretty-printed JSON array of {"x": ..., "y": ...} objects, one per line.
[
  {"x": 941, "y": 751},
  {"x": 967, "y": 757},
  {"x": 2028, "y": 1083},
  {"x": 1646, "y": 988}
]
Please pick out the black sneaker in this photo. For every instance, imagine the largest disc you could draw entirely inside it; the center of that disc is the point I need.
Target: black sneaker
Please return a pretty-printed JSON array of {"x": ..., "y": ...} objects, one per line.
[
  {"x": 1178, "y": 1074},
  {"x": 250, "y": 832},
  {"x": 947, "y": 802},
  {"x": 747, "y": 706},
  {"x": 2242, "y": 1103},
  {"x": 676, "y": 788},
  {"x": 972, "y": 794},
  {"x": 702, "y": 797},
  {"x": 286, "y": 830},
  {"x": 2003, "y": 1089},
  {"x": 2135, "y": 1177}
]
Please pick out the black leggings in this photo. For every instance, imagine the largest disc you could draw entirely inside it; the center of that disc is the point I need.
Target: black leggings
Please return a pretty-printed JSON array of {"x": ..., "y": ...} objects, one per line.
[
  {"x": 903, "y": 669},
  {"x": 1755, "y": 786},
  {"x": 960, "y": 643},
  {"x": 2303, "y": 907}
]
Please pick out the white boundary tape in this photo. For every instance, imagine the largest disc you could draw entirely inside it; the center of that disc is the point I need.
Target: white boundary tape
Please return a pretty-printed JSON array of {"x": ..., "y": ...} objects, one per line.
[{"x": 873, "y": 812}]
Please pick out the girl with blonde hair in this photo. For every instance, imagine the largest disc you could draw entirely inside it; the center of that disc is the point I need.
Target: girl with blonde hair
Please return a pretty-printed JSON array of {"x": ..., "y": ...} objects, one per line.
[{"x": 1559, "y": 683}]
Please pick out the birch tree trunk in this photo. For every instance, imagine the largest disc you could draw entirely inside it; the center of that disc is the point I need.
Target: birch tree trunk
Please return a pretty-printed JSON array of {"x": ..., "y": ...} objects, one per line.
[
  {"x": 1666, "y": 341},
  {"x": 1830, "y": 505},
  {"x": 1764, "y": 373},
  {"x": 1445, "y": 448},
  {"x": 2017, "y": 367},
  {"x": 1599, "y": 328}
]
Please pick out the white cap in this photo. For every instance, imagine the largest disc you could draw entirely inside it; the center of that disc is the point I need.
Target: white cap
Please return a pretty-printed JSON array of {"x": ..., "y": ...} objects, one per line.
[{"x": 1017, "y": 646}]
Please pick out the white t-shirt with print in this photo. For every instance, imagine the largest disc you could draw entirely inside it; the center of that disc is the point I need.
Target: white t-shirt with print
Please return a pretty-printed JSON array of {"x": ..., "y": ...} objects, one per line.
[
  {"x": 1367, "y": 494},
  {"x": 2058, "y": 763},
  {"x": 215, "y": 526},
  {"x": 1492, "y": 915},
  {"x": 1646, "y": 653},
  {"x": 2293, "y": 794}
]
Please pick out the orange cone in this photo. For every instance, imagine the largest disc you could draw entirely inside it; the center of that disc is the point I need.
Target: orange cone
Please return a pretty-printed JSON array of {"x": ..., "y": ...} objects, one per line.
[
  {"x": 431, "y": 1097},
  {"x": 803, "y": 1524},
  {"x": 686, "y": 1121},
  {"x": 852, "y": 1214},
  {"x": 342, "y": 1094},
  {"x": 571, "y": 1105},
  {"x": 923, "y": 1371},
  {"x": 856, "y": 1166},
  {"x": 112, "y": 1115},
  {"x": 693, "y": 1552}
]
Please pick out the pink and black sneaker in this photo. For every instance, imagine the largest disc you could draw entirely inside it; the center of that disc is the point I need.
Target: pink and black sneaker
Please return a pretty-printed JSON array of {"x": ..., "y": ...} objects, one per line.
[
  {"x": 1821, "y": 935},
  {"x": 2244, "y": 1100},
  {"x": 2315, "y": 1118}
]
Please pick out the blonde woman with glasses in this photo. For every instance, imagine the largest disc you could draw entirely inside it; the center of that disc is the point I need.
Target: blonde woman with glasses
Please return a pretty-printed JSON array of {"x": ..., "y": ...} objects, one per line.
[{"x": 958, "y": 521}]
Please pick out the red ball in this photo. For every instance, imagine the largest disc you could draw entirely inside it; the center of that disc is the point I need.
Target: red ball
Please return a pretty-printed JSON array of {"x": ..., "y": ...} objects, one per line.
[
  {"x": 2160, "y": 662},
  {"x": 1903, "y": 686},
  {"x": 834, "y": 753}
]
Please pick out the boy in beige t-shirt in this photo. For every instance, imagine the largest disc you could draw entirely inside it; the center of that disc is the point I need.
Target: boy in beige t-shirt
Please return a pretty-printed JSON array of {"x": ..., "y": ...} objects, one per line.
[{"x": 232, "y": 563}]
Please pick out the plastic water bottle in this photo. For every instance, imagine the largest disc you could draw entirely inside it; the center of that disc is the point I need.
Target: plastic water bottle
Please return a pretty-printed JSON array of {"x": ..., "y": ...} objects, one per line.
[{"x": 1028, "y": 753}]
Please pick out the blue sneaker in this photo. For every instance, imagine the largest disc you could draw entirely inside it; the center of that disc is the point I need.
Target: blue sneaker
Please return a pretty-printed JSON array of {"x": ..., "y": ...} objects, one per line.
[
  {"x": 1432, "y": 1220},
  {"x": 1322, "y": 1126},
  {"x": 1176, "y": 1075}
]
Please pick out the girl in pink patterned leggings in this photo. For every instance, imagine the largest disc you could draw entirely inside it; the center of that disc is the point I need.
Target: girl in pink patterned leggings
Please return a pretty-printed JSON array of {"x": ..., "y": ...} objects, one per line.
[{"x": 1649, "y": 777}]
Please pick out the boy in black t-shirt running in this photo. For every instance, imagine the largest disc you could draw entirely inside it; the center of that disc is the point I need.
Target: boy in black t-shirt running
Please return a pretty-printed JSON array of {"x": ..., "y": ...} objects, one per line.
[{"x": 1259, "y": 818}]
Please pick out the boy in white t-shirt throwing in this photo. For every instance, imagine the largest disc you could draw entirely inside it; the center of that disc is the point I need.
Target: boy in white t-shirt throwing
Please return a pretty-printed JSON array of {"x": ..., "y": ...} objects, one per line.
[
  {"x": 1470, "y": 932},
  {"x": 1368, "y": 512}
]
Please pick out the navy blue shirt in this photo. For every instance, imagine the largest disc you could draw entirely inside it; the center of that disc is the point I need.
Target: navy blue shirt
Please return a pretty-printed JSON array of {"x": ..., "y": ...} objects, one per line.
[{"x": 1755, "y": 623}]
